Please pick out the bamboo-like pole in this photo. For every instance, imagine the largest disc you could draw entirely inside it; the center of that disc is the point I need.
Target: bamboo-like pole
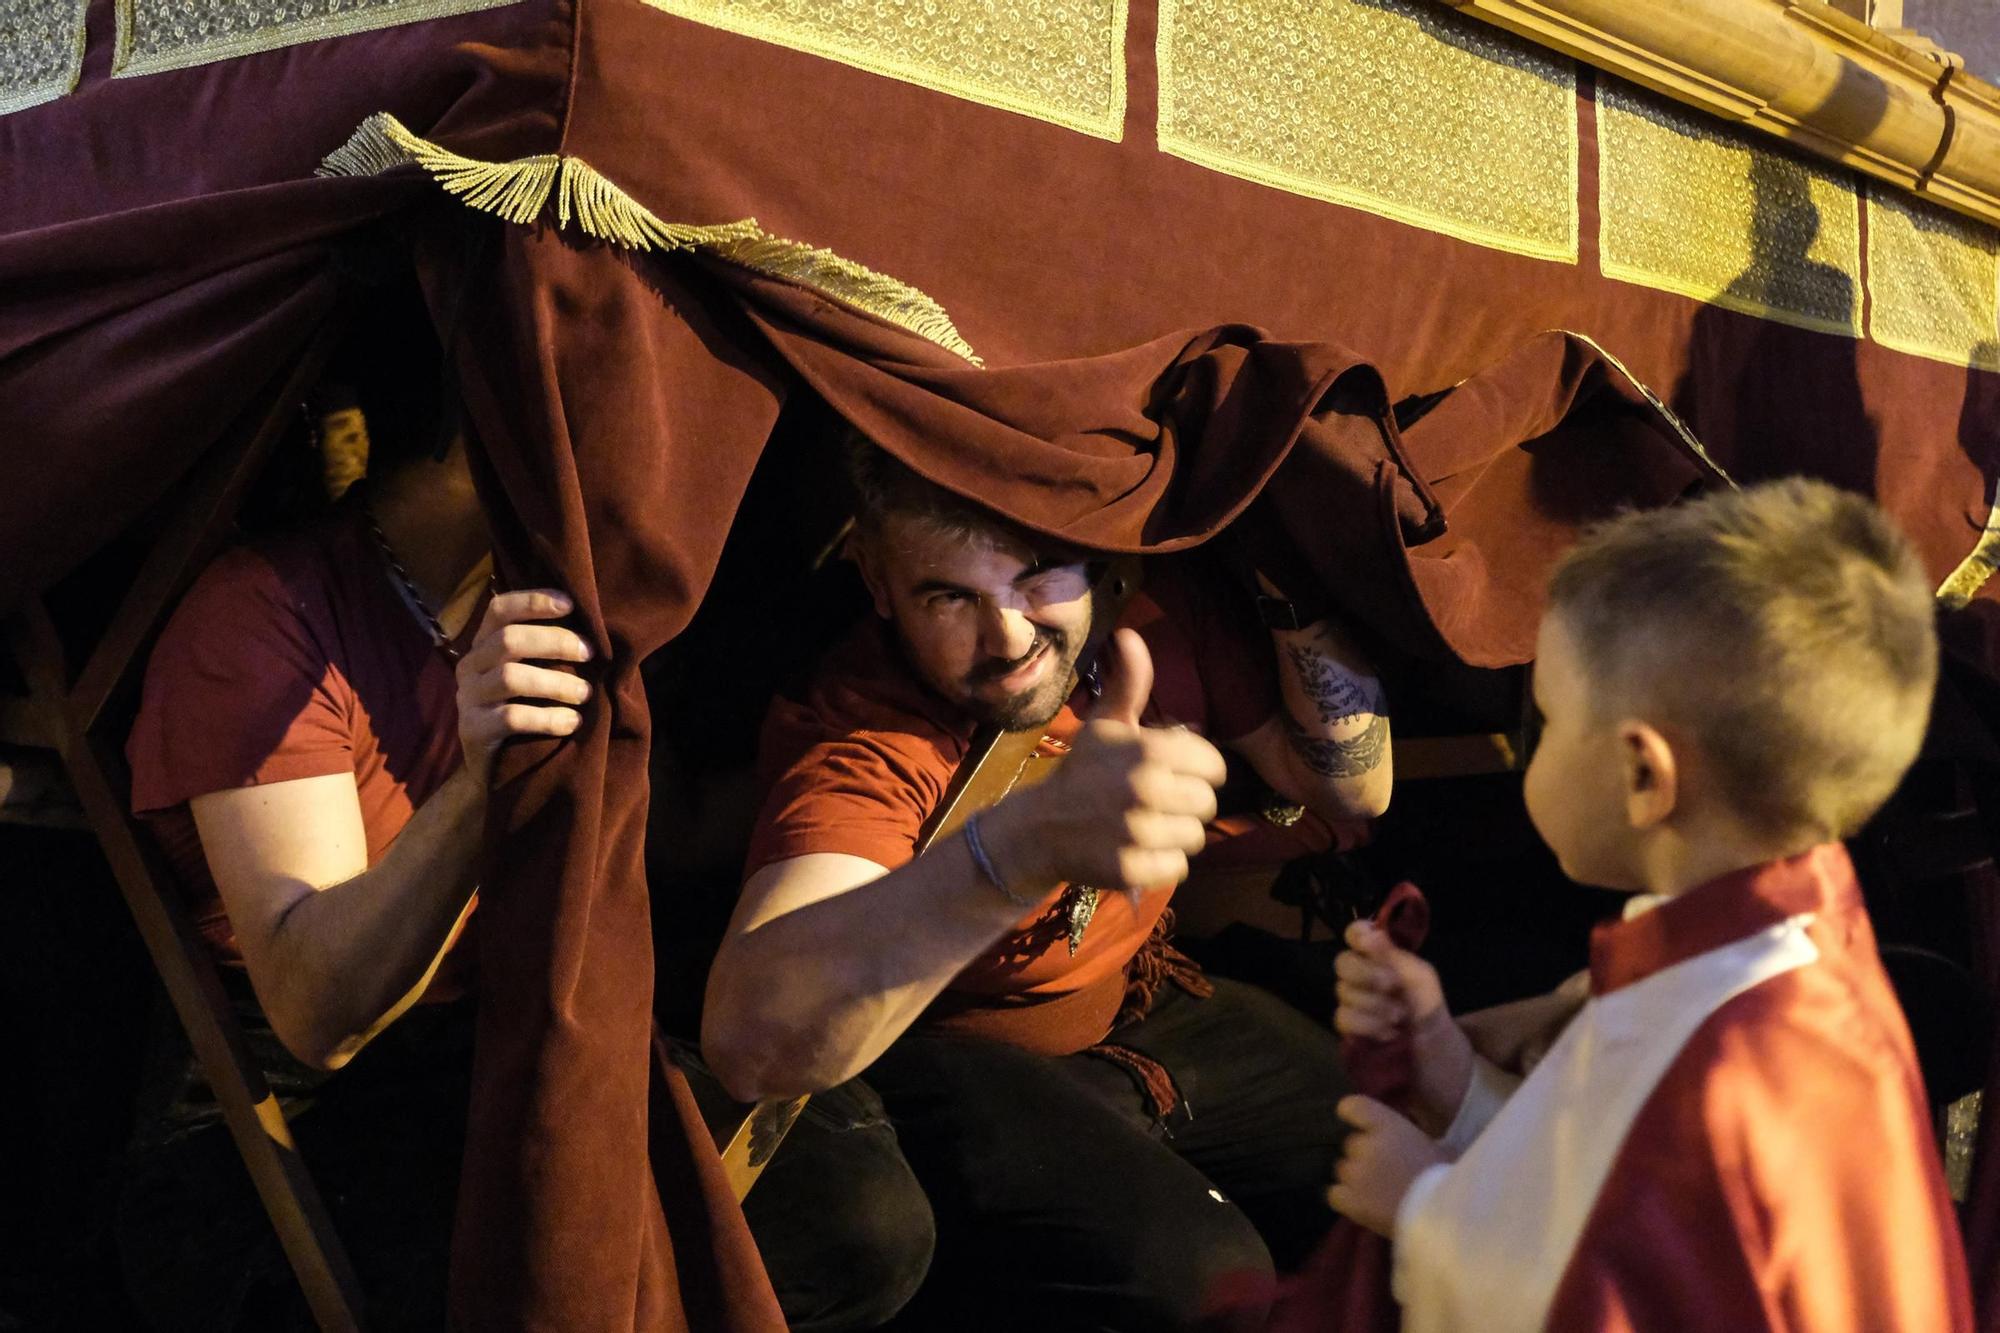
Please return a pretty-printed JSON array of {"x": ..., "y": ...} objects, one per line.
[{"x": 1798, "y": 69}]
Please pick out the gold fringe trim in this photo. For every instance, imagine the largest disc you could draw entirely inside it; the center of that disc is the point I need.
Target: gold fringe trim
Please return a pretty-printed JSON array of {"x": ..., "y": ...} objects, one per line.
[
  {"x": 517, "y": 191},
  {"x": 877, "y": 293},
  {"x": 607, "y": 212},
  {"x": 520, "y": 191},
  {"x": 1963, "y": 583}
]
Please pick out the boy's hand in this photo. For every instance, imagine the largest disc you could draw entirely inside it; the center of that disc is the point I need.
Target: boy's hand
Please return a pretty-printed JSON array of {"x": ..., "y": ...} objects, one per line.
[
  {"x": 1382, "y": 1157},
  {"x": 1386, "y": 992}
]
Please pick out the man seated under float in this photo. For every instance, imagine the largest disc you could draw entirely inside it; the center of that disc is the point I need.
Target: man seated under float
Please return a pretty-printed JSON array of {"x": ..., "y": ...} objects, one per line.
[
  {"x": 318, "y": 729},
  {"x": 1101, "y": 1130}
]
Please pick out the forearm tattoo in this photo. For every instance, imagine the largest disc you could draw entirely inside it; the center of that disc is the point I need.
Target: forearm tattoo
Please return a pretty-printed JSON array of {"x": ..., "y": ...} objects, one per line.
[
  {"x": 1350, "y": 758},
  {"x": 1334, "y": 694}
]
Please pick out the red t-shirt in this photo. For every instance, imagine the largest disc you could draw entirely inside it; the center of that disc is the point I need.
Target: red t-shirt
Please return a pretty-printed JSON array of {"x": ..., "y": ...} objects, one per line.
[
  {"x": 858, "y": 765},
  {"x": 293, "y": 658}
]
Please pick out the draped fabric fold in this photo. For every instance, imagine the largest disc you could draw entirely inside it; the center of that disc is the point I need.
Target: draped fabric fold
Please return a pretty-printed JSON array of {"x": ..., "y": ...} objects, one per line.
[
  {"x": 618, "y": 419},
  {"x": 241, "y": 283},
  {"x": 1437, "y": 538}
]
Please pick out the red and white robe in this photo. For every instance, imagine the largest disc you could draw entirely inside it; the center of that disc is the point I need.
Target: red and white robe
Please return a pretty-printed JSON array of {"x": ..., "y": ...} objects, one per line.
[{"x": 1731, "y": 1134}]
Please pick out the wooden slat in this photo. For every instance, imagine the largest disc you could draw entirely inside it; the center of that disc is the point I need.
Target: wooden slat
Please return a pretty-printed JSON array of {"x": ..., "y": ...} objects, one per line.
[
  {"x": 194, "y": 987},
  {"x": 1419, "y": 758},
  {"x": 68, "y": 719},
  {"x": 25, "y": 722}
]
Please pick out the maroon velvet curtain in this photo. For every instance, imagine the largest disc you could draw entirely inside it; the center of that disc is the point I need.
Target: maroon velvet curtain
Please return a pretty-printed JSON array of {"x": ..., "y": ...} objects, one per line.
[
  {"x": 175, "y": 255},
  {"x": 619, "y": 414}
]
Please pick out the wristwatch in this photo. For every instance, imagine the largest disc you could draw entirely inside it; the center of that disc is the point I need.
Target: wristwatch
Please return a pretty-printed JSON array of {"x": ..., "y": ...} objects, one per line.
[{"x": 1288, "y": 614}]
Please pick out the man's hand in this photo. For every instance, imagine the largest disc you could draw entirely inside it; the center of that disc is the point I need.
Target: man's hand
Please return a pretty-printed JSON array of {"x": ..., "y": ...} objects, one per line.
[
  {"x": 1382, "y": 1158},
  {"x": 501, "y": 694},
  {"x": 1125, "y": 809},
  {"x": 1386, "y": 992}
]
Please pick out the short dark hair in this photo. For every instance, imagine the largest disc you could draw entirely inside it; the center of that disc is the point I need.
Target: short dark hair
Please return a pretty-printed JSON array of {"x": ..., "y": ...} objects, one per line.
[
  {"x": 1788, "y": 627},
  {"x": 883, "y": 484}
]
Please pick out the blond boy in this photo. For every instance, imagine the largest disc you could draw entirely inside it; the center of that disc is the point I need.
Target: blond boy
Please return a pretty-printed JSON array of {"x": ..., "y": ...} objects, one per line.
[{"x": 1731, "y": 1132}]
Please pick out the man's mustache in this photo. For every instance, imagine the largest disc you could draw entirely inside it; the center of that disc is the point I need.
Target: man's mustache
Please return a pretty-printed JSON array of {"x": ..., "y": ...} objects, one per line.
[{"x": 988, "y": 672}]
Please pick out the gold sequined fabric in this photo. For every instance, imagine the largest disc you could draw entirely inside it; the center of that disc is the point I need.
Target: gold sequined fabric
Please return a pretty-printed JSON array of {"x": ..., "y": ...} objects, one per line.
[
  {"x": 41, "y": 50},
  {"x": 1691, "y": 205},
  {"x": 1397, "y": 107},
  {"x": 1056, "y": 60},
  {"x": 156, "y": 35},
  {"x": 1934, "y": 280}
]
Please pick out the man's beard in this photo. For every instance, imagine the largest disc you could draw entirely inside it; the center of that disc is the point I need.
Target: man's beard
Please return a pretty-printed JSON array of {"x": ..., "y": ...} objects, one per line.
[{"x": 1031, "y": 709}]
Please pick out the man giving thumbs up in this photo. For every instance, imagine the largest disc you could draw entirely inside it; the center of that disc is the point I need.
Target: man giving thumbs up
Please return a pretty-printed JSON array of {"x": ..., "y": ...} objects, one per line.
[{"x": 1101, "y": 1131}]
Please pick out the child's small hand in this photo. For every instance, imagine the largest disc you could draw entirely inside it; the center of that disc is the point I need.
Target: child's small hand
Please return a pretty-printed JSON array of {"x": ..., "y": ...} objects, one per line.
[
  {"x": 1386, "y": 992},
  {"x": 1382, "y": 1157}
]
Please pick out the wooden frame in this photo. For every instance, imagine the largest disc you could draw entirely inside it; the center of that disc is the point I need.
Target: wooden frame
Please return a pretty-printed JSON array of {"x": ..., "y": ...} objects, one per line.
[
  {"x": 1798, "y": 69},
  {"x": 66, "y": 711}
]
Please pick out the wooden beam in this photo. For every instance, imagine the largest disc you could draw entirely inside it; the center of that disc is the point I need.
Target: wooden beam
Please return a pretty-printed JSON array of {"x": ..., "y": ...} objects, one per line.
[
  {"x": 1797, "y": 69},
  {"x": 25, "y": 722},
  {"x": 248, "y": 1106},
  {"x": 1422, "y": 758}
]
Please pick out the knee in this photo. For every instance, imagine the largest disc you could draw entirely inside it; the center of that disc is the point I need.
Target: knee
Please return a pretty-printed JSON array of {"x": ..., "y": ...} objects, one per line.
[
  {"x": 1183, "y": 1271},
  {"x": 877, "y": 1249}
]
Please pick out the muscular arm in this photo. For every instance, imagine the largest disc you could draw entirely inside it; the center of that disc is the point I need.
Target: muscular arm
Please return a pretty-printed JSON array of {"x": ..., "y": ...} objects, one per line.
[
  {"x": 337, "y": 950},
  {"x": 830, "y": 957},
  {"x": 1328, "y": 747}
]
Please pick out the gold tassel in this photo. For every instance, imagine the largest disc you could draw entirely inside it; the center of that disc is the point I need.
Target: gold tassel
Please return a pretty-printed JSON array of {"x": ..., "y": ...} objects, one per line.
[
  {"x": 519, "y": 191},
  {"x": 608, "y": 213}
]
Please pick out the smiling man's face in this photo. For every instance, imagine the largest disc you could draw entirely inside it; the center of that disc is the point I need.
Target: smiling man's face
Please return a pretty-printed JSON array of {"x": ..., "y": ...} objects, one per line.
[{"x": 988, "y": 621}]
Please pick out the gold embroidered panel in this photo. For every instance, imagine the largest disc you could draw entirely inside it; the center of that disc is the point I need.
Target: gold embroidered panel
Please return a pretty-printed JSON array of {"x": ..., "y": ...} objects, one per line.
[
  {"x": 1692, "y": 205},
  {"x": 156, "y": 35},
  {"x": 1933, "y": 280},
  {"x": 41, "y": 50},
  {"x": 1055, "y": 60},
  {"x": 1398, "y": 107}
]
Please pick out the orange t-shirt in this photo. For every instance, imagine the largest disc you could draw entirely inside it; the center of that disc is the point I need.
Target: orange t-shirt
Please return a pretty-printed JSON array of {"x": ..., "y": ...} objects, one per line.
[
  {"x": 293, "y": 658},
  {"x": 859, "y": 763}
]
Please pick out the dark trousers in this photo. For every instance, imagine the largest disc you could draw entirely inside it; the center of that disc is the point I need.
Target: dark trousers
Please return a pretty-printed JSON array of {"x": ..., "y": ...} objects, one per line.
[
  {"x": 382, "y": 1140},
  {"x": 1056, "y": 1198},
  {"x": 1062, "y": 1202},
  {"x": 842, "y": 1225}
]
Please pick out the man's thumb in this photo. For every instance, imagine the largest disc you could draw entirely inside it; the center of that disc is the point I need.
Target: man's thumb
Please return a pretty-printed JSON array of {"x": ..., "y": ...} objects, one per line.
[{"x": 1126, "y": 669}]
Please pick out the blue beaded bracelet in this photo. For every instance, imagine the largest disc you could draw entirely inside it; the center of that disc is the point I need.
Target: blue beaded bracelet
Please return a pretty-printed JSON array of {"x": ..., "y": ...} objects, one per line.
[{"x": 977, "y": 847}]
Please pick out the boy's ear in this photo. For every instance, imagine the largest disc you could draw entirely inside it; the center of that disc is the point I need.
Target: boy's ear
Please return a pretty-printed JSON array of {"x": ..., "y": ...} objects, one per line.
[
  {"x": 1651, "y": 772},
  {"x": 863, "y": 553}
]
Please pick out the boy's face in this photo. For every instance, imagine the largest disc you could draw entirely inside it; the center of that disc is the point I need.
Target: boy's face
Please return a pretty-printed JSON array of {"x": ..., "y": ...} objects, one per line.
[{"x": 1576, "y": 787}]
